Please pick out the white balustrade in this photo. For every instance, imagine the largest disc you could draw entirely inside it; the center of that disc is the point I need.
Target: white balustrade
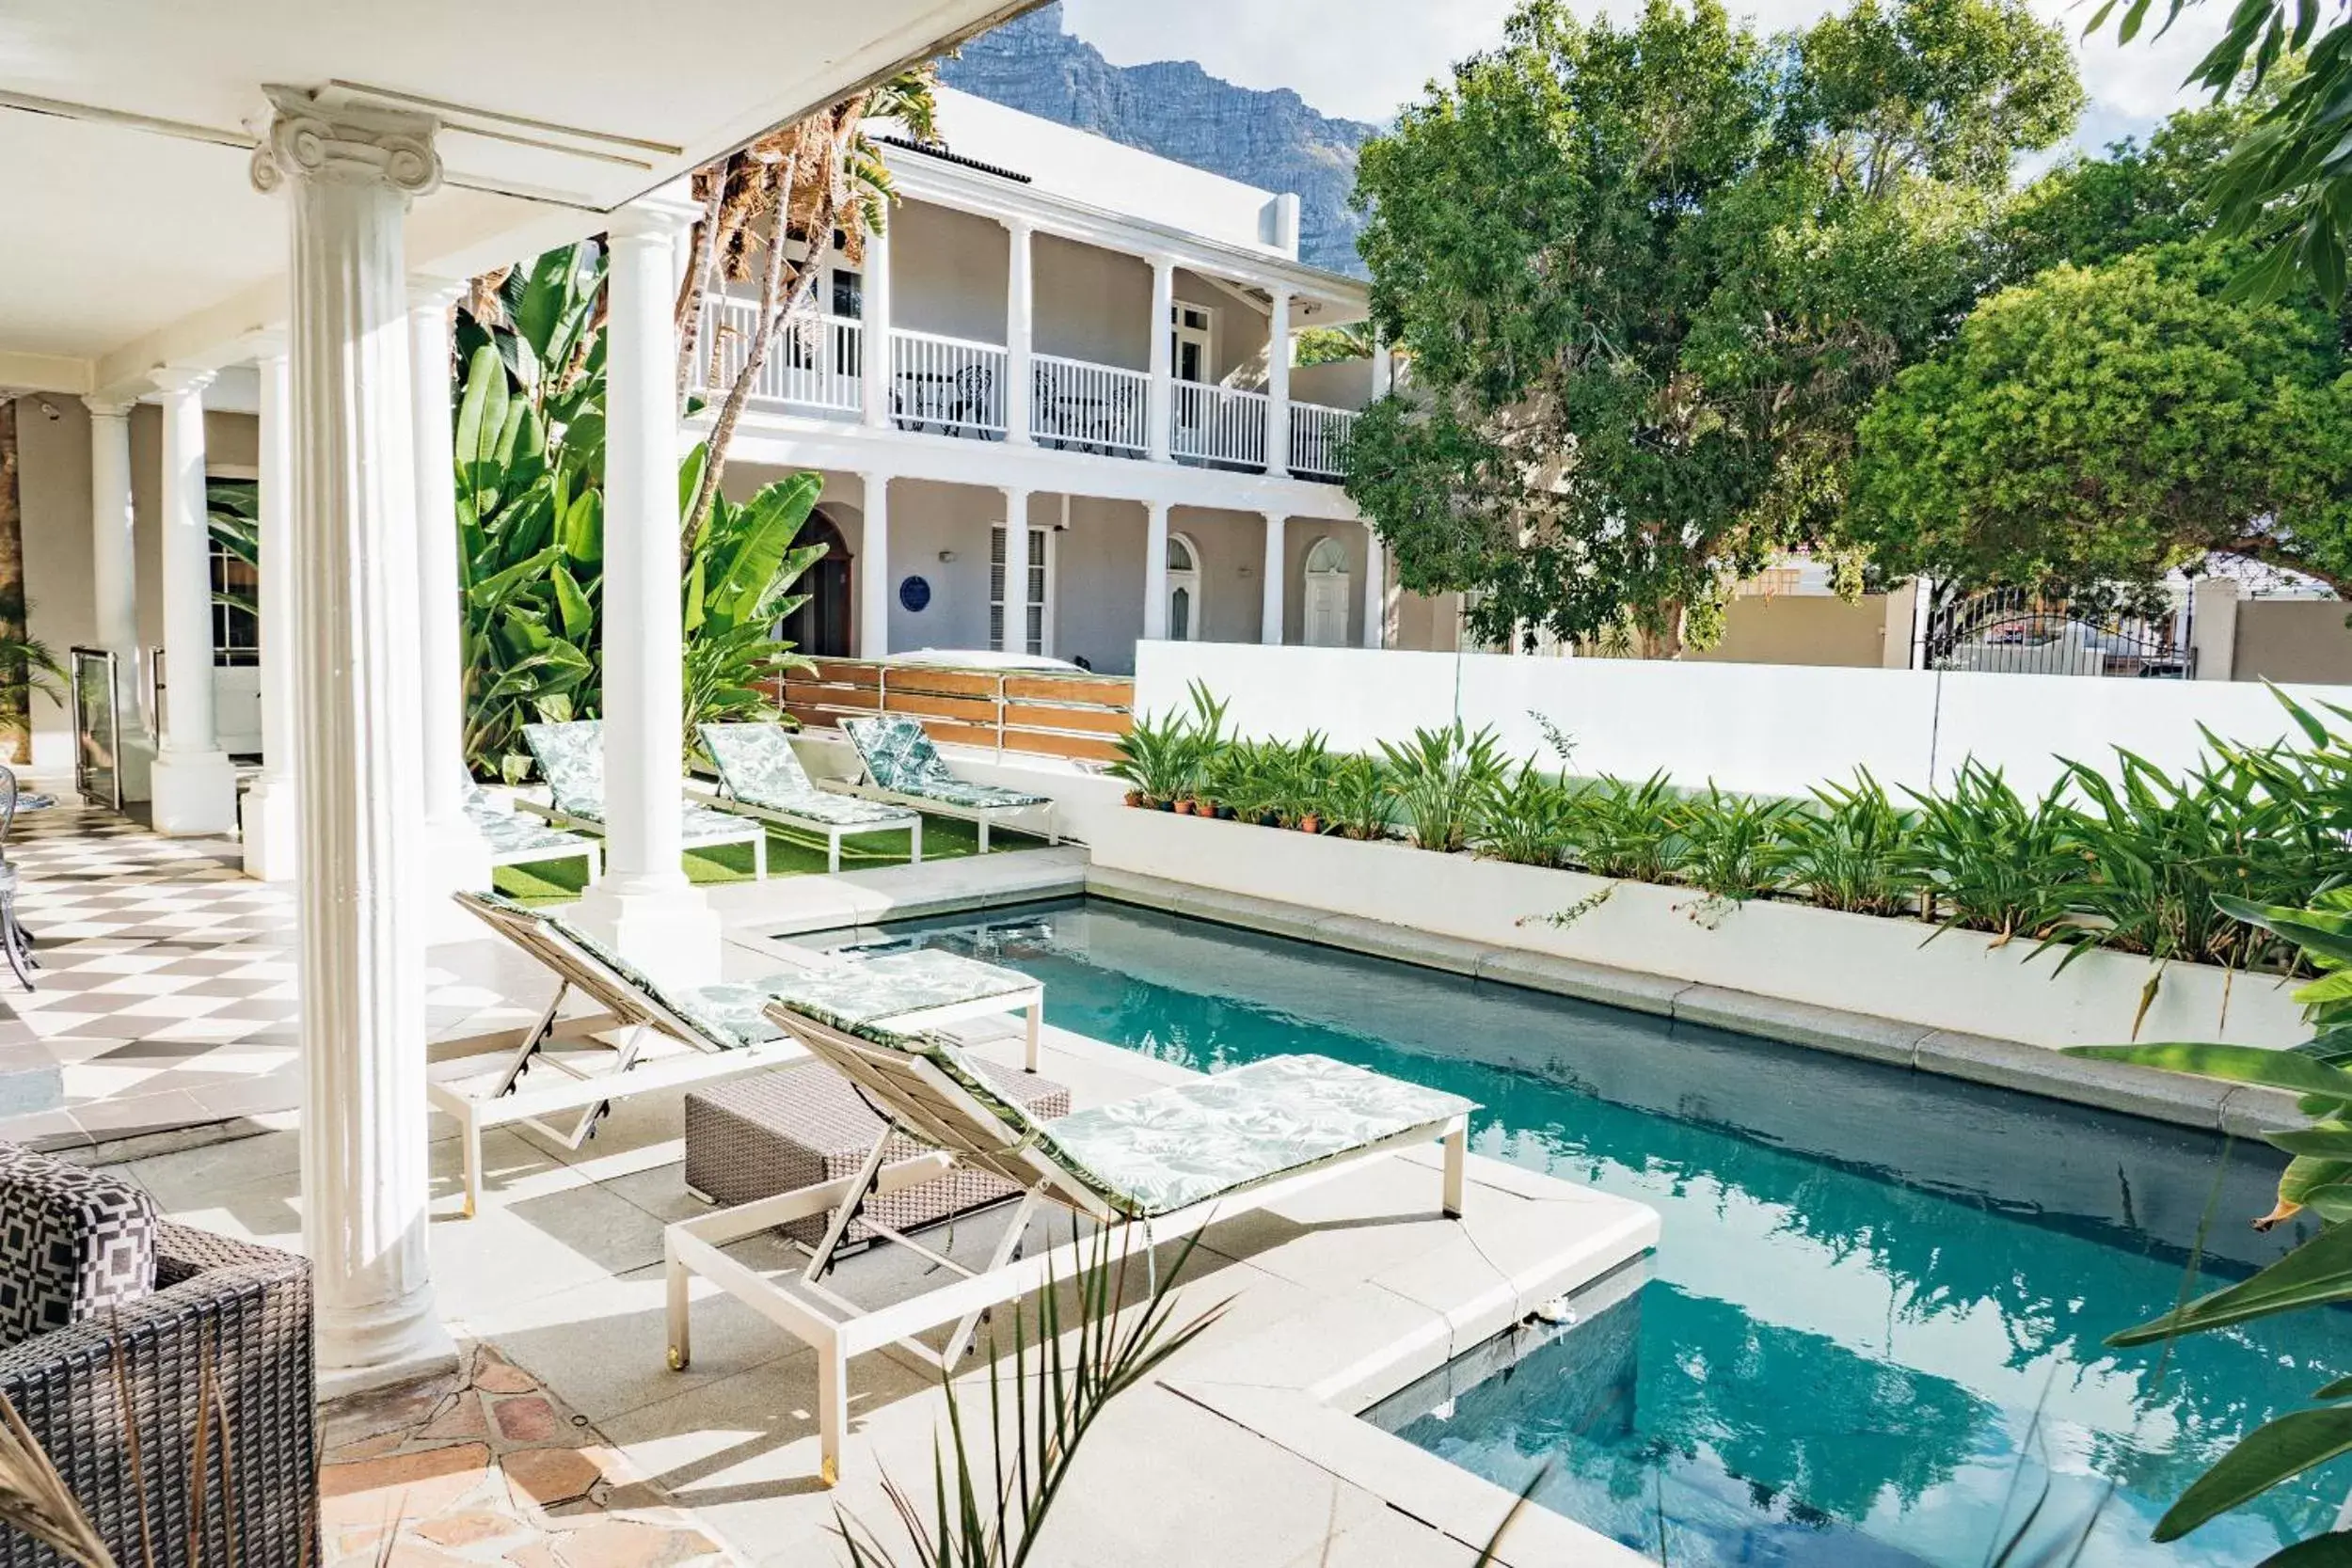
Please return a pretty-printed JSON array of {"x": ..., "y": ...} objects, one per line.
[
  {"x": 1218, "y": 425},
  {"x": 1318, "y": 438},
  {"x": 946, "y": 386},
  {"x": 1081, "y": 407},
  {"x": 816, "y": 362}
]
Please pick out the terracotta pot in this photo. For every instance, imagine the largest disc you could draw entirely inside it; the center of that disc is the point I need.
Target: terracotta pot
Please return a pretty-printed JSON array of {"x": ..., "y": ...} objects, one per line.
[
  {"x": 1184, "y": 808},
  {"x": 1134, "y": 796},
  {"x": 1310, "y": 823}
]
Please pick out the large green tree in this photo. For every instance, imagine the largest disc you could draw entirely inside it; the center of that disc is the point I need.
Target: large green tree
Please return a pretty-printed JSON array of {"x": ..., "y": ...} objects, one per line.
[
  {"x": 1649, "y": 276},
  {"x": 2097, "y": 426}
]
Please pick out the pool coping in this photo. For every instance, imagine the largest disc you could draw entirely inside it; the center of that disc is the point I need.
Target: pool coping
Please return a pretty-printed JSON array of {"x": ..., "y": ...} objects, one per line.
[{"x": 2236, "y": 1110}]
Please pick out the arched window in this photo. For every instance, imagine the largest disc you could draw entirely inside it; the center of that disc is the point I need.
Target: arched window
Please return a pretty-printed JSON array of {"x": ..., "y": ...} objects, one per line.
[
  {"x": 1327, "y": 584},
  {"x": 1183, "y": 590}
]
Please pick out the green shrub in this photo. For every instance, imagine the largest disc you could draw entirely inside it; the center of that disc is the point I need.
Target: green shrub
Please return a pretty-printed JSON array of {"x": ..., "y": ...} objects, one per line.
[
  {"x": 1529, "y": 819},
  {"x": 1731, "y": 844},
  {"x": 1992, "y": 863},
  {"x": 1628, "y": 830},
  {"x": 1360, "y": 797},
  {"x": 1438, "y": 778},
  {"x": 1850, "y": 849}
]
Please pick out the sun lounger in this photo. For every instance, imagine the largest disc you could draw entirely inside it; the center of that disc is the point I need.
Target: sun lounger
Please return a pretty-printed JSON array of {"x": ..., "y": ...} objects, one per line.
[
  {"x": 900, "y": 764},
  {"x": 761, "y": 776},
  {"x": 1156, "y": 1167},
  {"x": 515, "y": 839},
  {"x": 572, "y": 758},
  {"x": 714, "y": 1032}
]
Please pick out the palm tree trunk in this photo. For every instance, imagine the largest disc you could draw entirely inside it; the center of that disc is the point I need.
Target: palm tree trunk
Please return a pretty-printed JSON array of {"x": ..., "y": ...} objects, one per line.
[{"x": 16, "y": 691}]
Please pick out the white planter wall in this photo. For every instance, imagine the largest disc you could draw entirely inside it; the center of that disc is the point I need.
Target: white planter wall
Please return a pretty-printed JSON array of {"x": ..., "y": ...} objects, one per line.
[
  {"x": 1858, "y": 963},
  {"x": 1780, "y": 729}
]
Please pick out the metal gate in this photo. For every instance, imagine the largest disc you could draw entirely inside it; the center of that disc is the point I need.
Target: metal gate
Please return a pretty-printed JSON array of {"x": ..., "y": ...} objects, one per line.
[
  {"x": 97, "y": 728},
  {"x": 2009, "y": 631}
]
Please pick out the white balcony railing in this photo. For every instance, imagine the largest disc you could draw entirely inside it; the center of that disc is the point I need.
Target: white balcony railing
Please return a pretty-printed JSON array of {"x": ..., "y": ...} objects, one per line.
[
  {"x": 1081, "y": 407},
  {"x": 1218, "y": 425},
  {"x": 1318, "y": 436},
  {"x": 814, "y": 364},
  {"x": 947, "y": 385}
]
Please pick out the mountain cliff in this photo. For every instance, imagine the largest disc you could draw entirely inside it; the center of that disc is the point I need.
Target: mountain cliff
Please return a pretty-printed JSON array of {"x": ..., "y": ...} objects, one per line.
[{"x": 1272, "y": 140}]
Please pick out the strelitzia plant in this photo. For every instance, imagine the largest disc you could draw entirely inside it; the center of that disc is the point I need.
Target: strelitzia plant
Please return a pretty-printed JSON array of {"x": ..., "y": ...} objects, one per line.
[
  {"x": 1529, "y": 819},
  {"x": 1992, "y": 863},
  {"x": 1849, "y": 848},
  {"x": 1360, "y": 797},
  {"x": 1732, "y": 843},
  {"x": 1438, "y": 779},
  {"x": 1628, "y": 830}
]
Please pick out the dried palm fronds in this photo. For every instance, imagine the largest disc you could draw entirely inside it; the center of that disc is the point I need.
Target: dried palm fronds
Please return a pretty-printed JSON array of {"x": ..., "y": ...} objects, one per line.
[{"x": 33, "y": 1498}]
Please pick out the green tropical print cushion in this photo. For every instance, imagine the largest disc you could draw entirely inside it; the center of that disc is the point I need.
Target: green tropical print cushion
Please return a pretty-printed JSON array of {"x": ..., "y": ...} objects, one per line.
[
  {"x": 759, "y": 767},
  {"x": 901, "y": 759},
  {"x": 571, "y": 757},
  {"x": 864, "y": 991},
  {"x": 509, "y": 833}
]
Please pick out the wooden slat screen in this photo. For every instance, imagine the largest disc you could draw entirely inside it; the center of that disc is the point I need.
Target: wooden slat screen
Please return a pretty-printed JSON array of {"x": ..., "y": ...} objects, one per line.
[{"x": 1074, "y": 717}]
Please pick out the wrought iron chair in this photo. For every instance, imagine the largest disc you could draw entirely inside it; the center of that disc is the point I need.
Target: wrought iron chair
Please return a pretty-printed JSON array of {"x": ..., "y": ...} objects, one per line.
[{"x": 976, "y": 399}]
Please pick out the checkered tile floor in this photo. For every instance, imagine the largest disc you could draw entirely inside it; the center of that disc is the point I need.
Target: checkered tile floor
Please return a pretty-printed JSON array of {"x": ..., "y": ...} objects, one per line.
[{"x": 166, "y": 995}]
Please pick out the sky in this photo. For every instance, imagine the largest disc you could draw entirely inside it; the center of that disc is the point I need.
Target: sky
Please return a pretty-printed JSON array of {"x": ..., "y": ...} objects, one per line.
[{"x": 1362, "y": 59}]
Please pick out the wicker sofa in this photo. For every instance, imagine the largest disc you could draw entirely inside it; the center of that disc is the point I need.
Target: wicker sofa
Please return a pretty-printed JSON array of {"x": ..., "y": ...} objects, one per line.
[{"x": 238, "y": 1313}]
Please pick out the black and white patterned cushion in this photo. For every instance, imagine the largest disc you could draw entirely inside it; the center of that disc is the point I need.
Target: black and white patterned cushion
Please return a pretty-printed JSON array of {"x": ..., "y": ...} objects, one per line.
[{"x": 74, "y": 1243}]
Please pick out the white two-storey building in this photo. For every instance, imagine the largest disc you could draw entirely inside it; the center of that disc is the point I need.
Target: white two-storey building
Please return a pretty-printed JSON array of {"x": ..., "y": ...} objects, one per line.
[{"x": 1096, "y": 342}]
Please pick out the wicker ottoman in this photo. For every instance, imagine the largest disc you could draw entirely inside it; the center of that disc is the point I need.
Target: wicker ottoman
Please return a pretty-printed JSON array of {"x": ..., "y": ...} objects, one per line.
[{"x": 749, "y": 1138}]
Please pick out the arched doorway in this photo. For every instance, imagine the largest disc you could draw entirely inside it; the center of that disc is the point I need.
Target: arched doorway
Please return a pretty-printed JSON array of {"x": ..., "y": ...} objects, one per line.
[
  {"x": 1328, "y": 582},
  {"x": 820, "y": 627},
  {"x": 1183, "y": 590}
]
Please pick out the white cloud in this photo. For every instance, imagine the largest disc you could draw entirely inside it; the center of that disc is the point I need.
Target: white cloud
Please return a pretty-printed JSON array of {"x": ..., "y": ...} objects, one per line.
[{"x": 1362, "y": 59}]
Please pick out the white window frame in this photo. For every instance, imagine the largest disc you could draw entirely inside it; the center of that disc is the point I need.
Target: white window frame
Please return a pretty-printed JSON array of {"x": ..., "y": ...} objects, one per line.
[
  {"x": 1187, "y": 578},
  {"x": 1042, "y": 553},
  {"x": 1207, "y": 336}
]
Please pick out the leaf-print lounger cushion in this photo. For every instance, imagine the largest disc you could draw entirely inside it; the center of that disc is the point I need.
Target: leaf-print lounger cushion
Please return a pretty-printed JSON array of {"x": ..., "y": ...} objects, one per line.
[
  {"x": 1188, "y": 1143},
  {"x": 759, "y": 767},
  {"x": 901, "y": 758}
]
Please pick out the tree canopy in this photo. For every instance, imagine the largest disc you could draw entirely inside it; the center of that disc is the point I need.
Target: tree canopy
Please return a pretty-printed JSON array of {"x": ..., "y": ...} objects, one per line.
[
  {"x": 1651, "y": 275},
  {"x": 2097, "y": 426}
]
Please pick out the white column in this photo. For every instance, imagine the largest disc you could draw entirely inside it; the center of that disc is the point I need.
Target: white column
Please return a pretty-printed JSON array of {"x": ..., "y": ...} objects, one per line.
[
  {"x": 2215, "y": 605},
  {"x": 1020, "y": 329},
  {"x": 456, "y": 857},
  {"x": 875, "y": 577},
  {"x": 113, "y": 581},
  {"x": 1383, "y": 368},
  {"x": 1375, "y": 590},
  {"x": 273, "y": 820},
  {"x": 644, "y": 904},
  {"x": 351, "y": 173},
  {"x": 1270, "y": 607},
  {"x": 1278, "y": 386},
  {"x": 1161, "y": 400},
  {"x": 195, "y": 785},
  {"x": 874, "y": 356},
  {"x": 1016, "y": 571},
  {"x": 1155, "y": 571}
]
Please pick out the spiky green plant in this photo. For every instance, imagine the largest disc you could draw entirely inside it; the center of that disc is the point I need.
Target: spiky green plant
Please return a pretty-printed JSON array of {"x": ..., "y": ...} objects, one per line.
[
  {"x": 1849, "y": 848},
  {"x": 1991, "y": 862},
  {"x": 1628, "y": 830},
  {"x": 1361, "y": 796},
  {"x": 1731, "y": 844},
  {"x": 1437, "y": 778},
  {"x": 1529, "y": 819},
  {"x": 745, "y": 565}
]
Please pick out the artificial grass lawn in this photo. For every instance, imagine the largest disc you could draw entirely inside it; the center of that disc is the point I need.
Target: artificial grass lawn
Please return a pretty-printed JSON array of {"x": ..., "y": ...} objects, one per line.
[{"x": 789, "y": 854}]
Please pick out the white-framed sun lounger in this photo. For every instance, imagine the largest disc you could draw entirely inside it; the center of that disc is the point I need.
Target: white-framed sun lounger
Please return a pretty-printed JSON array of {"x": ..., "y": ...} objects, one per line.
[
  {"x": 515, "y": 839},
  {"x": 723, "y": 1028},
  {"x": 1290, "y": 1122},
  {"x": 761, "y": 776},
  {"x": 571, "y": 757},
  {"x": 897, "y": 763}
]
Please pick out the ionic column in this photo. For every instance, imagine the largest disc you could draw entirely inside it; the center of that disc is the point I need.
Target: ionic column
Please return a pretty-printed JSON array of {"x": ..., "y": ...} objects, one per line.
[
  {"x": 1161, "y": 399},
  {"x": 113, "y": 581},
  {"x": 874, "y": 356},
  {"x": 1375, "y": 590},
  {"x": 1016, "y": 572},
  {"x": 1278, "y": 387},
  {"x": 272, "y": 817},
  {"x": 1020, "y": 331},
  {"x": 456, "y": 857},
  {"x": 1155, "y": 571},
  {"x": 350, "y": 174},
  {"x": 195, "y": 785},
  {"x": 1270, "y": 607},
  {"x": 645, "y": 905},
  {"x": 873, "y": 591}
]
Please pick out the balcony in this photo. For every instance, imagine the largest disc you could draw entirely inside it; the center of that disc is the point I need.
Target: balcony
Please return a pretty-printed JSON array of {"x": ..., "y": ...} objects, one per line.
[{"x": 944, "y": 386}]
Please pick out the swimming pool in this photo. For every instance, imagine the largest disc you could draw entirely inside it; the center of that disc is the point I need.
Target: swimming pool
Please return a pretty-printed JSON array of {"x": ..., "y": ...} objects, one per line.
[{"x": 1872, "y": 1333}]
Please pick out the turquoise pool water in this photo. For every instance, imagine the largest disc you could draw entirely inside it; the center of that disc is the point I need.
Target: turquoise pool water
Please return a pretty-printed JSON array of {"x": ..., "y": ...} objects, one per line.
[{"x": 1871, "y": 1334}]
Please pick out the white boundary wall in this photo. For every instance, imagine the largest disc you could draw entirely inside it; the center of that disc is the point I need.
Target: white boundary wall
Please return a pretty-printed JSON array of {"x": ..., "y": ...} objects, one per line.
[{"x": 1766, "y": 728}]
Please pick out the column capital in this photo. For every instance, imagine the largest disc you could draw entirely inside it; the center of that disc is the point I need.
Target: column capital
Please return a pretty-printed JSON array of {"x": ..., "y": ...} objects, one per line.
[
  {"x": 344, "y": 144},
  {"x": 661, "y": 215},
  {"x": 436, "y": 294},
  {"x": 1014, "y": 223},
  {"x": 182, "y": 380},
  {"x": 109, "y": 408},
  {"x": 271, "y": 343}
]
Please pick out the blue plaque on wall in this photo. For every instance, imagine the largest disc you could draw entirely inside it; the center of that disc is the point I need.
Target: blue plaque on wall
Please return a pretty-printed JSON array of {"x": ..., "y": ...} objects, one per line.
[{"x": 914, "y": 593}]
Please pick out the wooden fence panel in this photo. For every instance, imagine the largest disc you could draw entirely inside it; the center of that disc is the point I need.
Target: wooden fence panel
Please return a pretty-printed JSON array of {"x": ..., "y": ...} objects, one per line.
[{"x": 1077, "y": 717}]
